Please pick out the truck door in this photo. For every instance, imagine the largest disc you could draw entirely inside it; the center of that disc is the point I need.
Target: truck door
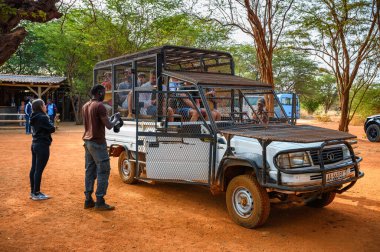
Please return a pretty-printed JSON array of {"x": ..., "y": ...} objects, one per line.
[{"x": 178, "y": 151}]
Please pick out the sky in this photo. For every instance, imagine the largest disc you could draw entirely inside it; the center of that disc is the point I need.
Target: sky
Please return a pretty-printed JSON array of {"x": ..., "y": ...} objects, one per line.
[{"x": 241, "y": 38}]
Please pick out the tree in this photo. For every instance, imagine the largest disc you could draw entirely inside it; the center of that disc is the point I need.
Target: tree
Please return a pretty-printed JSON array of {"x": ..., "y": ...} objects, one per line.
[
  {"x": 245, "y": 60},
  {"x": 263, "y": 20},
  {"x": 294, "y": 72},
  {"x": 149, "y": 23},
  {"x": 327, "y": 90},
  {"x": 12, "y": 12},
  {"x": 89, "y": 33},
  {"x": 344, "y": 35},
  {"x": 372, "y": 104},
  {"x": 29, "y": 58}
]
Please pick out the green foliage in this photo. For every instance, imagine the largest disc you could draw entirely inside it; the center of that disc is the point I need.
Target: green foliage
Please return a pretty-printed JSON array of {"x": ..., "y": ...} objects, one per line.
[
  {"x": 311, "y": 104},
  {"x": 6, "y": 11},
  {"x": 86, "y": 35},
  {"x": 371, "y": 104},
  {"x": 29, "y": 58},
  {"x": 294, "y": 72},
  {"x": 245, "y": 60},
  {"x": 327, "y": 93}
]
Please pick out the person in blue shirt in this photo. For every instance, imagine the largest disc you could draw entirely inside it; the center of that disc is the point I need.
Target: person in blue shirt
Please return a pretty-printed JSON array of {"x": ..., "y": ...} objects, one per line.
[
  {"x": 28, "y": 113},
  {"x": 51, "y": 110},
  {"x": 174, "y": 84},
  {"x": 124, "y": 88}
]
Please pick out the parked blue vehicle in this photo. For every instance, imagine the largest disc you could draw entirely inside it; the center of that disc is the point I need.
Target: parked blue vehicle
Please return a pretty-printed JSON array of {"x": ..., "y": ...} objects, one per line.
[
  {"x": 284, "y": 98},
  {"x": 286, "y": 101}
]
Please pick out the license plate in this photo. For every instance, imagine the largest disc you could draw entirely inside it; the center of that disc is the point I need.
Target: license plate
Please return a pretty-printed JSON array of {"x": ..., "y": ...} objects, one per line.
[{"x": 334, "y": 176}]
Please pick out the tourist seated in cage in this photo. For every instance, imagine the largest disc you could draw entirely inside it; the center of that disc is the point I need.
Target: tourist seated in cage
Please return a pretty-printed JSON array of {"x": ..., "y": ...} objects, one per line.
[
  {"x": 148, "y": 101},
  {"x": 125, "y": 88},
  {"x": 174, "y": 84},
  {"x": 185, "y": 107},
  {"x": 107, "y": 84},
  {"x": 141, "y": 79},
  {"x": 260, "y": 115},
  {"x": 212, "y": 103}
]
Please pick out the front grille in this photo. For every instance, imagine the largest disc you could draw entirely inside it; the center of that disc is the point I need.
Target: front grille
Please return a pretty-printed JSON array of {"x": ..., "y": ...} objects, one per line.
[{"x": 330, "y": 155}]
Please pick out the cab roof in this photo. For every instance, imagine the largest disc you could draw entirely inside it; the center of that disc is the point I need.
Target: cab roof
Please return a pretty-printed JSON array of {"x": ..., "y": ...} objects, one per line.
[{"x": 172, "y": 54}]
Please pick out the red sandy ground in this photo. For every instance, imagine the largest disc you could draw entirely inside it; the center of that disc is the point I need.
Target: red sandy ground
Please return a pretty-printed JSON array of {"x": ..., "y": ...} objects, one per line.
[{"x": 168, "y": 217}]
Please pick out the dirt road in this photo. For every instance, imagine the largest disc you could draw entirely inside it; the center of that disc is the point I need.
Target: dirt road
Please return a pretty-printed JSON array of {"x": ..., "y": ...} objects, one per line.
[{"x": 166, "y": 217}]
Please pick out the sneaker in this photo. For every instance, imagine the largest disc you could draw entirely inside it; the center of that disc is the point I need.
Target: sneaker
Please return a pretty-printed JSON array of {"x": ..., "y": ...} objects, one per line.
[
  {"x": 47, "y": 196},
  {"x": 103, "y": 207},
  {"x": 40, "y": 196},
  {"x": 89, "y": 203}
]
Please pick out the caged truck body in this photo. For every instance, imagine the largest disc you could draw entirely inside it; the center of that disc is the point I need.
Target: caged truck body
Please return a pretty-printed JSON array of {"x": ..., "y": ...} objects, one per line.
[{"x": 203, "y": 130}]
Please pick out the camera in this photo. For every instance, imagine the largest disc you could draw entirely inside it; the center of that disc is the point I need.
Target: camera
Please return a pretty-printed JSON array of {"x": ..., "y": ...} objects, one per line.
[{"x": 118, "y": 125}]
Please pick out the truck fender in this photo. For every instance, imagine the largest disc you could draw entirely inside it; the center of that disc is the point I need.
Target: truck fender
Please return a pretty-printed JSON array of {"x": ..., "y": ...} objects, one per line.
[
  {"x": 232, "y": 166},
  {"x": 116, "y": 149},
  {"x": 371, "y": 121}
]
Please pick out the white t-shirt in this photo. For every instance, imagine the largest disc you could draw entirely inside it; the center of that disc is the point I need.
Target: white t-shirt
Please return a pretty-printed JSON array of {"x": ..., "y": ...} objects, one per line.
[{"x": 147, "y": 97}]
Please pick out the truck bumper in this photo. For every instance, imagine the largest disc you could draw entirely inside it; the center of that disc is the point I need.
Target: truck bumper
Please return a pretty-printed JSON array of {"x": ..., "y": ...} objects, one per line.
[{"x": 306, "y": 183}]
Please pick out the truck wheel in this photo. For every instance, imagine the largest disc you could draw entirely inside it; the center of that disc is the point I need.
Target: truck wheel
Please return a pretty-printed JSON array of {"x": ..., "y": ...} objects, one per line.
[
  {"x": 247, "y": 202},
  {"x": 127, "y": 169},
  {"x": 373, "y": 133},
  {"x": 323, "y": 200}
]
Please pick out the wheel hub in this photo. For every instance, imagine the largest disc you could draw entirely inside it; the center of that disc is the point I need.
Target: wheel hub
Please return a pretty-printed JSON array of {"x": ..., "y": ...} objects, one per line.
[
  {"x": 126, "y": 168},
  {"x": 242, "y": 202},
  {"x": 373, "y": 133}
]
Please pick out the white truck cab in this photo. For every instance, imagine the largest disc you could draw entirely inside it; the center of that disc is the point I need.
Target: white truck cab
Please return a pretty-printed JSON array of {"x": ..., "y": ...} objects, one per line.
[{"x": 206, "y": 132}]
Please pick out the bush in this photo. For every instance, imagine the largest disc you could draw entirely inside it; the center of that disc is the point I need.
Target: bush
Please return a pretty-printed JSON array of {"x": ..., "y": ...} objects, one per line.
[
  {"x": 358, "y": 120},
  {"x": 310, "y": 105},
  {"x": 370, "y": 104},
  {"x": 323, "y": 118}
]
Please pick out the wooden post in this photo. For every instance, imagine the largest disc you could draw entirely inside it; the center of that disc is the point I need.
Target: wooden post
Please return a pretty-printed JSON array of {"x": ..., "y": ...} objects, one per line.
[
  {"x": 31, "y": 89},
  {"x": 47, "y": 89}
]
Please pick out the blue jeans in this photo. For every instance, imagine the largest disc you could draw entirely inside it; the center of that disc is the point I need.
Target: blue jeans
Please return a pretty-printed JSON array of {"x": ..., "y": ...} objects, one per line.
[
  {"x": 97, "y": 167},
  {"x": 51, "y": 117},
  {"x": 27, "y": 124},
  {"x": 151, "y": 110}
]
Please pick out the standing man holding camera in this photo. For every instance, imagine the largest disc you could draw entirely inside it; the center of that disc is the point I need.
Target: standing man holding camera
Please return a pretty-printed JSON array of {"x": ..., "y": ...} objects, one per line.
[{"x": 96, "y": 155}]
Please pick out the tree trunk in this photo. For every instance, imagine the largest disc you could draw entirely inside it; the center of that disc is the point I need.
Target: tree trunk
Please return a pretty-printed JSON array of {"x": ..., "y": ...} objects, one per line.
[
  {"x": 10, "y": 42},
  {"x": 11, "y": 34},
  {"x": 77, "y": 109},
  {"x": 266, "y": 73},
  {"x": 344, "y": 116}
]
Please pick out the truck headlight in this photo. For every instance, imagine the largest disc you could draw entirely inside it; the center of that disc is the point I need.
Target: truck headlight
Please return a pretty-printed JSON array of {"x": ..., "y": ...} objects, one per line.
[
  {"x": 346, "y": 152},
  {"x": 293, "y": 160}
]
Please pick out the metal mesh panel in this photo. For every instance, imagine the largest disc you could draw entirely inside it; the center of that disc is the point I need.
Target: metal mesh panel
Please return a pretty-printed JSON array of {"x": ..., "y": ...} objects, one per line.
[
  {"x": 173, "y": 136},
  {"x": 173, "y": 158},
  {"x": 174, "y": 112},
  {"x": 240, "y": 106}
]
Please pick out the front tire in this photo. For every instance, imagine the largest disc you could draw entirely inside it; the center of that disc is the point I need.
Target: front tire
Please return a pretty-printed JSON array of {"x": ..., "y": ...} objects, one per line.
[
  {"x": 127, "y": 169},
  {"x": 323, "y": 200},
  {"x": 373, "y": 133},
  {"x": 247, "y": 202}
]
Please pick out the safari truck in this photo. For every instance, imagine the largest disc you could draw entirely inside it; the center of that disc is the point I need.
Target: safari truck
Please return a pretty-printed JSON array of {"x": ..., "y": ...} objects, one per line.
[{"x": 187, "y": 124}]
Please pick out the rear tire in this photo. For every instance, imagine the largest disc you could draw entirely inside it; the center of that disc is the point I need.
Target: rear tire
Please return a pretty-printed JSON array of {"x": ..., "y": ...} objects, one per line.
[
  {"x": 247, "y": 202},
  {"x": 127, "y": 169},
  {"x": 323, "y": 200},
  {"x": 373, "y": 133}
]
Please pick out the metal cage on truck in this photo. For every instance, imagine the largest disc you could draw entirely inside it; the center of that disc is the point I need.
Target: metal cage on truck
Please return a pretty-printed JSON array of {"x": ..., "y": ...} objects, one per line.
[{"x": 228, "y": 147}]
